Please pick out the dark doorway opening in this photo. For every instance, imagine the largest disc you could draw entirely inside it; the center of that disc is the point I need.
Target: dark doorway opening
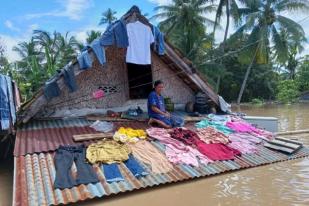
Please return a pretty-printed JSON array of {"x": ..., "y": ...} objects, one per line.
[{"x": 140, "y": 80}]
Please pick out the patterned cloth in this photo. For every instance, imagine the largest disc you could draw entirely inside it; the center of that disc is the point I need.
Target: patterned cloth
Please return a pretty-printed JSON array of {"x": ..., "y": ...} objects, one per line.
[
  {"x": 245, "y": 143},
  {"x": 107, "y": 151},
  {"x": 218, "y": 126},
  {"x": 210, "y": 135},
  {"x": 176, "y": 151}
]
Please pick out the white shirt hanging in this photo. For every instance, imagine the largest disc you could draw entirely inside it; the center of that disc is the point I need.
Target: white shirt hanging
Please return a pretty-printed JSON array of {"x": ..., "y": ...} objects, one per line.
[{"x": 140, "y": 38}]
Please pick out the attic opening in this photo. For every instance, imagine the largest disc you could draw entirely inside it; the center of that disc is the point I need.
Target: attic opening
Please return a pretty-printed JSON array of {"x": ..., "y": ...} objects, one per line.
[{"x": 140, "y": 80}]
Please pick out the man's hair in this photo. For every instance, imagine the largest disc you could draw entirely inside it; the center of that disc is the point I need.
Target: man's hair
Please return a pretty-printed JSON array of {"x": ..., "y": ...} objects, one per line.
[{"x": 156, "y": 83}]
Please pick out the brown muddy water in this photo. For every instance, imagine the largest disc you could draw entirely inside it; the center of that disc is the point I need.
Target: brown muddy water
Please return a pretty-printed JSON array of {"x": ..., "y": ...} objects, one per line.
[{"x": 285, "y": 183}]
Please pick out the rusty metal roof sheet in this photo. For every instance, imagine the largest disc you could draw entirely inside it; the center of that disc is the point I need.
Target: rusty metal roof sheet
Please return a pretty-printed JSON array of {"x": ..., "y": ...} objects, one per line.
[
  {"x": 48, "y": 135},
  {"x": 34, "y": 176}
]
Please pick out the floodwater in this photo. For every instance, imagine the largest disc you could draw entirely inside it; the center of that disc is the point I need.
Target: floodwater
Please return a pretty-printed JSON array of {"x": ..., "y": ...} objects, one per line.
[{"x": 285, "y": 183}]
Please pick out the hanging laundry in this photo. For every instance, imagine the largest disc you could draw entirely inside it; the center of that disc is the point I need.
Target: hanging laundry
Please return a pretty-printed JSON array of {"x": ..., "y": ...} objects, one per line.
[
  {"x": 176, "y": 151},
  {"x": 51, "y": 89},
  {"x": 102, "y": 126},
  {"x": 115, "y": 34},
  {"x": 210, "y": 135},
  {"x": 84, "y": 60},
  {"x": 224, "y": 106},
  {"x": 99, "y": 51},
  {"x": 98, "y": 94},
  {"x": 244, "y": 145},
  {"x": 218, "y": 126},
  {"x": 6, "y": 110},
  {"x": 159, "y": 46},
  {"x": 140, "y": 38},
  {"x": 145, "y": 152},
  {"x": 69, "y": 78},
  {"x": 129, "y": 135},
  {"x": 107, "y": 151},
  {"x": 64, "y": 158}
]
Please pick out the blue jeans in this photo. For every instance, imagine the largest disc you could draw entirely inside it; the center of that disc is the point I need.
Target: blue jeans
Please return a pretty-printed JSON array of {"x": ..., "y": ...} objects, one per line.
[
  {"x": 84, "y": 60},
  {"x": 115, "y": 34},
  {"x": 99, "y": 51},
  {"x": 69, "y": 78},
  {"x": 65, "y": 155}
]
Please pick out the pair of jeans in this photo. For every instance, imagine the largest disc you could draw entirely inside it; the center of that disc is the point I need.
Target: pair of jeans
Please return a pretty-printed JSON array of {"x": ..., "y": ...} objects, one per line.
[
  {"x": 69, "y": 78},
  {"x": 159, "y": 40},
  {"x": 113, "y": 174},
  {"x": 99, "y": 51},
  {"x": 115, "y": 34},
  {"x": 64, "y": 158},
  {"x": 84, "y": 60}
]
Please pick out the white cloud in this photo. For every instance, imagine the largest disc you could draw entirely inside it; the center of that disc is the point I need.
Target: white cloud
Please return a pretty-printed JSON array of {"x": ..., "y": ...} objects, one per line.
[
  {"x": 10, "y": 25},
  {"x": 161, "y": 2},
  {"x": 81, "y": 34},
  {"x": 73, "y": 9}
]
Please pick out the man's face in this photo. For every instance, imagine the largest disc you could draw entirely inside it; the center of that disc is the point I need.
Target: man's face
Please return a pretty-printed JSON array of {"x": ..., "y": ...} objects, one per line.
[{"x": 159, "y": 88}]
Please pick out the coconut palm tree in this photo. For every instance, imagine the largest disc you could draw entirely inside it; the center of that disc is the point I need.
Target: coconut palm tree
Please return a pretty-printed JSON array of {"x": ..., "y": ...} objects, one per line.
[
  {"x": 92, "y": 35},
  {"x": 68, "y": 47},
  {"x": 108, "y": 17},
  {"x": 263, "y": 21},
  {"x": 185, "y": 18}
]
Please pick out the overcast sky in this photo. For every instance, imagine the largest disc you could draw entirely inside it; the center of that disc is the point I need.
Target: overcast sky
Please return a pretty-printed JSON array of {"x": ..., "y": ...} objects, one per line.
[{"x": 19, "y": 18}]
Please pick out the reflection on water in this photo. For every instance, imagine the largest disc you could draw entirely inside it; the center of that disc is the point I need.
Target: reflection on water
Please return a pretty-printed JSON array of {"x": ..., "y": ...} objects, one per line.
[
  {"x": 291, "y": 117},
  {"x": 285, "y": 183}
]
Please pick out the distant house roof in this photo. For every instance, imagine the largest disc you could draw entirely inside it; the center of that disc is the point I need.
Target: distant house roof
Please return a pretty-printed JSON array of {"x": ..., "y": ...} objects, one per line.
[{"x": 173, "y": 58}]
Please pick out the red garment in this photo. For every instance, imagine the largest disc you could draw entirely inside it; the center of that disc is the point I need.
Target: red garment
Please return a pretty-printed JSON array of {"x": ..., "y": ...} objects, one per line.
[{"x": 217, "y": 151}]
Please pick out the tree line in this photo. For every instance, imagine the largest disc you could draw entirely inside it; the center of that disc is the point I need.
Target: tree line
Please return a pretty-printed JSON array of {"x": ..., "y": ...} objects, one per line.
[{"x": 260, "y": 60}]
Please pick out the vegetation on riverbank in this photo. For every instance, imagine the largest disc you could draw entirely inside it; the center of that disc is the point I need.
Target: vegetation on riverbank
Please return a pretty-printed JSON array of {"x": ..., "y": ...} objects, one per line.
[{"x": 259, "y": 62}]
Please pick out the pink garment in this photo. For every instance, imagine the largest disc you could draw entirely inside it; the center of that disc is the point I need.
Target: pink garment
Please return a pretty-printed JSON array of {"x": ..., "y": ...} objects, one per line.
[
  {"x": 98, "y": 94},
  {"x": 245, "y": 143},
  {"x": 211, "y": 135},
  {"x": 176, "y": 151},
  {"x": 217, "y": 151},
  {"x": 244, "y": 127}
]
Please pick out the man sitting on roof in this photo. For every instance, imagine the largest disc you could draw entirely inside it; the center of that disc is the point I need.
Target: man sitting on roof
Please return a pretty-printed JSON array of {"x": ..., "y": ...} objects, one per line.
[{"x": 156, "y": 109}]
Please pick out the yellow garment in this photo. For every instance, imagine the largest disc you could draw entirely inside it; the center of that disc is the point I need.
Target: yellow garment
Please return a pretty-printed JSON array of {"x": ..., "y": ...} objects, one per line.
[
  {"x": 107, "y": 151},
  {"x": 129, "y": 134}
]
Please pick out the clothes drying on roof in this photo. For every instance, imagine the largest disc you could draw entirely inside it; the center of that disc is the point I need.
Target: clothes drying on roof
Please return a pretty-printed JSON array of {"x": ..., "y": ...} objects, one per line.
[
  {"x": 244, "y": 145},
  {"x": 7, "y": 106},
  {"x": 129, "y": 135},
  {"x": 211, "y": 135},
  {"x": 84, "y": 60},
  {"x": 145, "y": 152},
  {"x": 159, "y": 46},
  {"x": 218, "y": 126},
  {"x": 216, "y": 151},
  {"x": 69, "y": 78},
  {"x": 140, "y": 38},
  {"x": 113, "y": 174},
  {"x": 99, "y": 51},
  {"x": 107, "y": 151},
  {"x": 64, "y": 158},
  {"x": 102, "y": 126},
  {"x": 222, "y": 119},
  {"x": 176, "y": 151},
  {"x": 115, "y": 34}
]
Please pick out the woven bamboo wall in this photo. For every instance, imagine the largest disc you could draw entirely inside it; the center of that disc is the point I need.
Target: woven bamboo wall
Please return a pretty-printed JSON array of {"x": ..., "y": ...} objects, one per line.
[{"x": 114, "y": 73}]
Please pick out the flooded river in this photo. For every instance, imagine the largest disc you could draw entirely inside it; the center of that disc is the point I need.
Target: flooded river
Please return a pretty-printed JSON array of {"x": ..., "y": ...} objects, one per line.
[{"x": 285, "y": 183}]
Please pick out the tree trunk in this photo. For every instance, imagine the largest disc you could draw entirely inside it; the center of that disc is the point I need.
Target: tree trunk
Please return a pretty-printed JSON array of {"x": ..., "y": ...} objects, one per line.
[
  {"x": 227, "y": 6},
  {"x": 243, "y": 86},
  {"x": 218, "y": 83}
]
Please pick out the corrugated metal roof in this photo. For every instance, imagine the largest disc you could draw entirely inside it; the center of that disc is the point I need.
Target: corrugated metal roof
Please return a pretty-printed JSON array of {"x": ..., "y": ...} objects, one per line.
[
  {"x": 34, "y": 176},
  {"x": 48, "y": 135}
]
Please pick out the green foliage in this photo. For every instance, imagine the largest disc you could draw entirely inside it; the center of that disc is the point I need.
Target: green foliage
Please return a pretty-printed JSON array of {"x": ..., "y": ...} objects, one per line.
[
  {"x": 287, "y": 91},
  {"x": 303, "y": 76},
  {"x": 257, "y": 101},
  {"x": 108, "y": 17}
]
